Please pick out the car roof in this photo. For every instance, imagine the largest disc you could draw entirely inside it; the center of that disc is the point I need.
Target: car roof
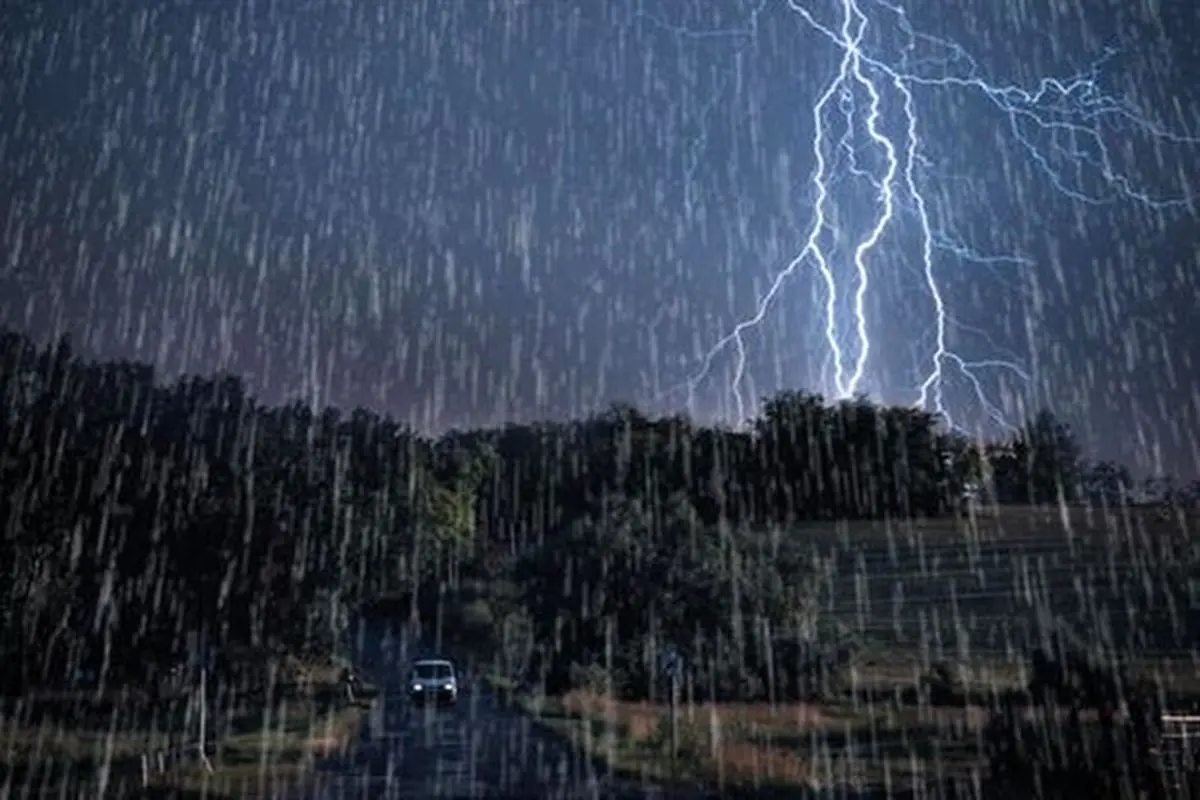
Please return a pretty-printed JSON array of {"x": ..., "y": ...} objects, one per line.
[{"x": 432, "y": 662}]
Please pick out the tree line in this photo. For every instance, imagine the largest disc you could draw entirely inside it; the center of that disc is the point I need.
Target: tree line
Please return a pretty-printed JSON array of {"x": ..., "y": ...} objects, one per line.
[{"x": 136, "y": 514}]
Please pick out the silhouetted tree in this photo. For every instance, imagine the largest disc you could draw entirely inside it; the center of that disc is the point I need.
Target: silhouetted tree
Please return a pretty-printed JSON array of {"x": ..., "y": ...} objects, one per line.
[{"x": 134, "y": 512}]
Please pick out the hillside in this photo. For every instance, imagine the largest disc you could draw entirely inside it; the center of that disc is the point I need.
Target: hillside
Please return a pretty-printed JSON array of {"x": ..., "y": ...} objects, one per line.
[{"x": 789, "y": 561}]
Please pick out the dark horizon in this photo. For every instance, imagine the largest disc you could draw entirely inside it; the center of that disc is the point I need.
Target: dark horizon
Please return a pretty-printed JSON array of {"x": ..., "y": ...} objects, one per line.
[
  {"x": 460, "y": 216},
  {"x": 167, "y": 381}
]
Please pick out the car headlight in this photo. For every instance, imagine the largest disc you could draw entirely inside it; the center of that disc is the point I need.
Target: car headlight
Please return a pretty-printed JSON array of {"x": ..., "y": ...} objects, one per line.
[
  {"x": 416, "y": 687},
  {"x": 449, "y": 687}
]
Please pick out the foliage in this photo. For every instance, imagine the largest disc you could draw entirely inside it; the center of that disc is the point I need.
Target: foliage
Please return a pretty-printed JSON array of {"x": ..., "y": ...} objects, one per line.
[
  {"x": 135, "y": 512},
  {"x": 1051, "y": 749},
  {"x": 945, "y": 684}
]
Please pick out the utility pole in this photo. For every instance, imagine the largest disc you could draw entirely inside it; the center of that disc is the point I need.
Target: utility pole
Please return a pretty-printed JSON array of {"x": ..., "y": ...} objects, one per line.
[
  {"x": 672, "y": 665},
  {"x": 674, "y": 717},
  {"x": 202, "y": 652},
  {"x": 204, "y": 719}
]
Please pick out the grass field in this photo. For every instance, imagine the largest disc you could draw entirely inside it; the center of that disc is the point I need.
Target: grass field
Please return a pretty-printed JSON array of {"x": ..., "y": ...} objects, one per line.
[
  {"x": 762, "y": 747},
  {"x": 975, "y": 589},
  {"x": 971, "y": 592},
  {"x": 84, "y": 742}
]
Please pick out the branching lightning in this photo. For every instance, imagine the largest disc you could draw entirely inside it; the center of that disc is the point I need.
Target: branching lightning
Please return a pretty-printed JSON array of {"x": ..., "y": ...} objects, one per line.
[{"x": 875, "y": 98}]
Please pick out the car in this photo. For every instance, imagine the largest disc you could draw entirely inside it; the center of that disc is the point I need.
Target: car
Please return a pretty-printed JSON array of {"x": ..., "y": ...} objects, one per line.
[{"x": 433, "y": 682}]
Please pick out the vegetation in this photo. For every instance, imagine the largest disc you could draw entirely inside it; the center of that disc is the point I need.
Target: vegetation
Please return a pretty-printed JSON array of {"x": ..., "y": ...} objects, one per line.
[
  {"x": 256, "y": 738},
  {"x": 139, "y": 517}
]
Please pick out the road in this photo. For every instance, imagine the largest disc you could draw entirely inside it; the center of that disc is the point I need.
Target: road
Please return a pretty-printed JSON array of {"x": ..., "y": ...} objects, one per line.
[{"x": 477, "y": 749}]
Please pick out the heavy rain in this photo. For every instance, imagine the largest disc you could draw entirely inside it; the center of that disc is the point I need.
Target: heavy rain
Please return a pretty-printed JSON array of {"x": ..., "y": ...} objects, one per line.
[{"x": 581, "y": 399}]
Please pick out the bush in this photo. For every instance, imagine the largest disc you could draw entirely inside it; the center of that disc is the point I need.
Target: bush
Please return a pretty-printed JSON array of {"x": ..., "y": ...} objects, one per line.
[
  {"x": 1061, "y": 755},
  {"x": 945, "y": 684},
  {"x": 478, "y": 621},
  {"x": 596, "y": 679}
]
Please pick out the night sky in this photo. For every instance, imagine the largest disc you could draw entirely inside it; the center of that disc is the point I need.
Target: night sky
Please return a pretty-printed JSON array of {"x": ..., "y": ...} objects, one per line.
[{"x": 461, "y": 212}]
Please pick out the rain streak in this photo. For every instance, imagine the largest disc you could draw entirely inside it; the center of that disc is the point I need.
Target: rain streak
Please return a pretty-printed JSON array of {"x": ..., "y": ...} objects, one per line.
[{"x": 631, "y": 399}]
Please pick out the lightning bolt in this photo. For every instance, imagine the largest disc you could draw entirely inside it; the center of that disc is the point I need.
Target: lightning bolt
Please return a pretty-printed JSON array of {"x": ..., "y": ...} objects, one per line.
[{"x": 1070, "y": 112}]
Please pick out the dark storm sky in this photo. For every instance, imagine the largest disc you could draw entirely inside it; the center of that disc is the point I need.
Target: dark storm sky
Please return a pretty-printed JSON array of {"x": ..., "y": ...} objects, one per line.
[{"x": 464, "y": 212}]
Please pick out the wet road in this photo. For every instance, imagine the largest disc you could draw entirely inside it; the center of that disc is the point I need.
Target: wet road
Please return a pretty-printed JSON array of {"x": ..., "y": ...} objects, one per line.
[{"x": 479, "y": 748}]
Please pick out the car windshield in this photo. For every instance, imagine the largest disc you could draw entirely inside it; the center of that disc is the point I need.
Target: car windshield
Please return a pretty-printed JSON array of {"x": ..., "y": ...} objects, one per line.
[{"x": 432, "y": 672}]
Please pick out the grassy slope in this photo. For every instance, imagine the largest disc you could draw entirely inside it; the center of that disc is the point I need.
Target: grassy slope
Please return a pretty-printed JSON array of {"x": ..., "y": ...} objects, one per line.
[
  {"x": 757, "y": 746},
  {"x": 65, "y": 741},
  {"x": 786, "y": 746}
]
